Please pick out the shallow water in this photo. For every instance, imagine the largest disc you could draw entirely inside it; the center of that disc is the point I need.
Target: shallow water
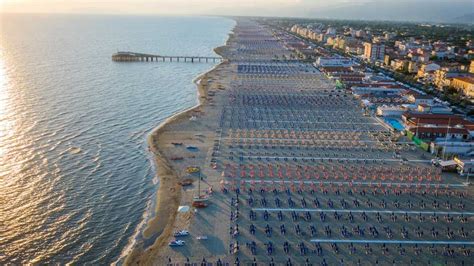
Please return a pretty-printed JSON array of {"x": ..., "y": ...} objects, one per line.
[{"x": 75, "y": 174}]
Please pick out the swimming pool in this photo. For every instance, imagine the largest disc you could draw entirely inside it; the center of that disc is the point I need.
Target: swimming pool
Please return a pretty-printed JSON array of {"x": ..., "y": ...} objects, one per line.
[{"x": 395, "y": 123}]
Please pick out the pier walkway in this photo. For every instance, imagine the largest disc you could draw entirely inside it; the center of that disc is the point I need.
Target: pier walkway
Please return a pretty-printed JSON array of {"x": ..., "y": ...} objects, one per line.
[{"x": 139, "y": 57}]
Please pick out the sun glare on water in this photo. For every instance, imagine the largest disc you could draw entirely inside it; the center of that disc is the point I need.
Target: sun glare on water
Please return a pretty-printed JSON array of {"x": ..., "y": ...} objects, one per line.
[{"x": 4, "y": 124}]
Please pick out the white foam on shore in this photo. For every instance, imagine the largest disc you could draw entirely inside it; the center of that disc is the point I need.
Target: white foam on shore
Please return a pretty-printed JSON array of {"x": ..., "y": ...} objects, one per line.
[
  {"x": 133, "y": 241},
  {"x": 150, "y": 209}
]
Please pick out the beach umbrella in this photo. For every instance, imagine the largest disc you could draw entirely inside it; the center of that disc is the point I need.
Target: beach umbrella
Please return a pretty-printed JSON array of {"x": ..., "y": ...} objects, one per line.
[
  {"x": 252, "y": 172},
  {"x": 242, "y": 171}
]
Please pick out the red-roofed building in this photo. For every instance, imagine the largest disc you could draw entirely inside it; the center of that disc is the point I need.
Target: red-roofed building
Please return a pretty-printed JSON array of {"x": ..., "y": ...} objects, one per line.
[
  {"x": 432, "y": 126},
  {"x": 348, "y": 78},
  {"x": 336, "y": 69},
  {"x": 440, "y": 132}
]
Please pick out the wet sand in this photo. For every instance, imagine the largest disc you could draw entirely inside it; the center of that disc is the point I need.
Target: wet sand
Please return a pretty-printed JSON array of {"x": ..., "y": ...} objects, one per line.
[{"x": 190, "y": 127}]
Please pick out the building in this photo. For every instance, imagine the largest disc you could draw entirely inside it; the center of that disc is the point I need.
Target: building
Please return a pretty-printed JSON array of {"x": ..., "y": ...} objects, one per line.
[
  {"x": 333, "y": 62},
  {"x": 395, "y": 110},
  {"x": 444, "y": 76},
  {"x": 464, "y": 84},
  {"x": 434, "y": 133},
  {"x": 360, "y": 34},
  {"x": 434, "y": 126},
  {"x": 331, "y": 40},
  {"x": 417, "y": 119},
  {"x": 377, "y": 90},
  {"x": 434, "y": 109},
  {"x": 399, "y": 64},
  {"x": 374, "y": 51},
  {"x": 412, "y": 67},
  {"x": 348, "y": 79},
  {"x": 452, "y": 147},
  {"x": 390, "y": 35},
  {"x": 417, "y": 99},
  {"x": 427, "y": 70},
  {"x": 465, "y": 166},
  {"x": 354, "y": 49},
  {"x": 331, "y": 31}
]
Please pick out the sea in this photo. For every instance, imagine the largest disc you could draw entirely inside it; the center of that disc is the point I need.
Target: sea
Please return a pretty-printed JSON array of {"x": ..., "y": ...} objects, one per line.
[{"x": 76, "y": 178}]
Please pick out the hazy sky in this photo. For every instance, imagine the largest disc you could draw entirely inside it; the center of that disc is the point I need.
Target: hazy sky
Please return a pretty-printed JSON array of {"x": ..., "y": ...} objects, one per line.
[{"x": 370, "y": 9}]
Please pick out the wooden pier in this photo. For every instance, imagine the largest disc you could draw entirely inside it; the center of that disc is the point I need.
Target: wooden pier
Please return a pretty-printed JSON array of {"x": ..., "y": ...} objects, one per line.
[{"x": 139, "y": 57}]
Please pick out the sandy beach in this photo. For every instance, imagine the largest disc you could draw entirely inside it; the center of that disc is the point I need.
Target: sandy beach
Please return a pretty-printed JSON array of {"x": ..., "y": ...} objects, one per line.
[
  {"x": 292, "y": 165},
  {"x": 194, "y": 126}
]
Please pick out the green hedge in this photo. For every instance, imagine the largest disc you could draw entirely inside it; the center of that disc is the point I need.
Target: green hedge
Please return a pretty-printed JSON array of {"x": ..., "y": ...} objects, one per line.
[{"x": 420, "y": 143}]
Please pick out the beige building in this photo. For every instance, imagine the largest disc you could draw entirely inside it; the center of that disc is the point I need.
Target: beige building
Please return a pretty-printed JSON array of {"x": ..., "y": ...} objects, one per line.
[
  {"x": 412, "y": 67},
  {"x": 464, "y": 84},
  {"x": 374, "y": 51},
  {"x": 399, "y": 64},
  {"x": 444, "y": 75},
  {"x": 426, "y": 69}
]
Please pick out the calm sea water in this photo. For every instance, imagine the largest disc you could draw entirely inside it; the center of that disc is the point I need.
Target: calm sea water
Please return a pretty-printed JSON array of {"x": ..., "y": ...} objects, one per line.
[{"x": 75, "y": 174}]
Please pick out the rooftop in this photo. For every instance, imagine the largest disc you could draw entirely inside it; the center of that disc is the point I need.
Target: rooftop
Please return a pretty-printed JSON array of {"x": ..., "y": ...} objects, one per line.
[{"x": 469, "y": 79}]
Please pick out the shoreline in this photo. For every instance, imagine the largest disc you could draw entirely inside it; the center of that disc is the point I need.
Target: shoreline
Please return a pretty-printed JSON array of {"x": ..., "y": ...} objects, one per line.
[{"x": 169, "y": 194}]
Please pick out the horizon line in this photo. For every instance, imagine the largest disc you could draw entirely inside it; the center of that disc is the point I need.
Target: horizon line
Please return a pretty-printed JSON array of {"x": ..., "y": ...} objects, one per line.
[{"x": 231, "y": 16}]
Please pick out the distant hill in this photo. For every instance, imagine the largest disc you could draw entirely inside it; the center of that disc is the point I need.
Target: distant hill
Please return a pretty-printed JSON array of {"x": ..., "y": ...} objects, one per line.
[
  {"x": 466, "y": 19},
  {"x": 402, "y": 10}
]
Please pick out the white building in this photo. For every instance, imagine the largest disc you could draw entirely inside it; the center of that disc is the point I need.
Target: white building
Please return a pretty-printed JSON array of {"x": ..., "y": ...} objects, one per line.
[
  {"x": 334, "y": 62},
  {"x": 434, "y": 109},
  {"x": 420, "y": 99},
  {"x": 359, "y": 90},
  {"x": 453, "y": 147},
  {"x": 395, "y": 110}
]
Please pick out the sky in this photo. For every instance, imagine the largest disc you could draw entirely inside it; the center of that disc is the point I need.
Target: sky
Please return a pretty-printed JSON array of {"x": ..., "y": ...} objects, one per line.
[{"x": 359, "y": 9}]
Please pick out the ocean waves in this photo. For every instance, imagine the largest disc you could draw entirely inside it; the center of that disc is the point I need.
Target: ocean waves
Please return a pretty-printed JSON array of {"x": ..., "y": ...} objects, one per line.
[{"x": 76, "y": 179}]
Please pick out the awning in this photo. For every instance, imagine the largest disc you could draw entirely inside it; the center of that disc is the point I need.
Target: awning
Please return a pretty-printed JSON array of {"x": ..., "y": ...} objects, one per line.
[
  {"x": 183, "y": 208},
  {"x": 447, "y": 163}
]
